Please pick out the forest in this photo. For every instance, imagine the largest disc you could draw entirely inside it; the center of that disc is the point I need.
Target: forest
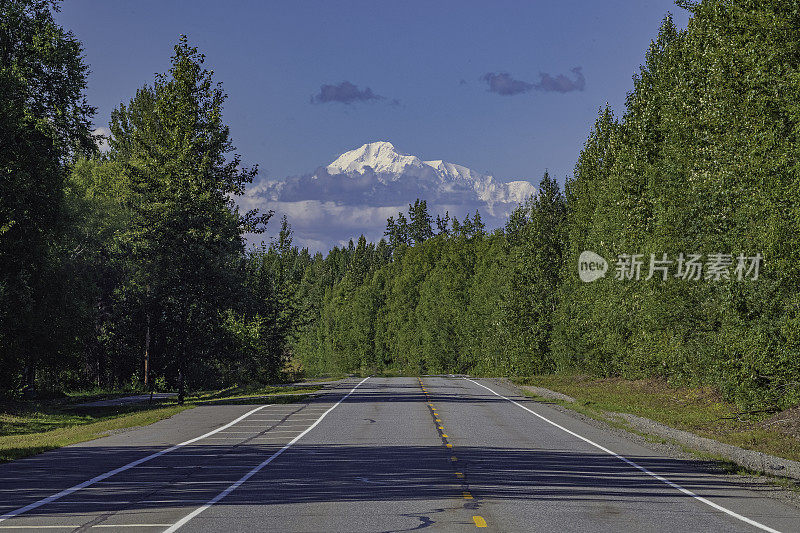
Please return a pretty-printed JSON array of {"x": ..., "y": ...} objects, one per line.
[{"x": 131, "y": 267}]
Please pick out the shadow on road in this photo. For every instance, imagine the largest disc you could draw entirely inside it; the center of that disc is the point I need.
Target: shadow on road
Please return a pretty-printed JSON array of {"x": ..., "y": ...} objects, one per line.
[{"x": 307, "y": 474}]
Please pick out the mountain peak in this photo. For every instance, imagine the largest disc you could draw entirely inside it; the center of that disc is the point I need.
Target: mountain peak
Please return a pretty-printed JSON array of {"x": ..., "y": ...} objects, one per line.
[
  {"x": 435, "y": 177},
  {"x": 381, "y": 156}
]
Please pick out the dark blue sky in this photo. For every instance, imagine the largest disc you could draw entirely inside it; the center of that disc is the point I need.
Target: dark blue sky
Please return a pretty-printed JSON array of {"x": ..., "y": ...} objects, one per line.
[
  {"x": 273, "y": 56},
  {"x": 428, "y": 61}
]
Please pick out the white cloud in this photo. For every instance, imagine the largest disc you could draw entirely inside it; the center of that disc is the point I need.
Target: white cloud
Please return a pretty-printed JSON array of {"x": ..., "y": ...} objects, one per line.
[{"x": 320, "y": 225}]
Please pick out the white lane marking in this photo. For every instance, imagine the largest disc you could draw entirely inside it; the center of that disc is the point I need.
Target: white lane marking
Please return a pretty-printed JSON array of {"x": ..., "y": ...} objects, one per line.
[
  {"x": 109, "y": 502},
  {"x": 288, "y": 417},
  {"x": 75, "y": 527},
  {"x": 193, "y": 467},
  {"x": 257, "y": 432},
  {"x": 106, "y": 475},
  {"x": 252, "y": 428},
  {"x": 183, "y": 521},
  {"x": 672, "y": 484},
  {"x": 196, "y": 455},
  {"x": 39, "y": 527},
  {"x": 161, "y": 482},
  {"x": 131, "y": 525}
]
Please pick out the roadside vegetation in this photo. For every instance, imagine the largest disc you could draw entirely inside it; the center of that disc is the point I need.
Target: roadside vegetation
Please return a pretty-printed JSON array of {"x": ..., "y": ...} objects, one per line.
[
  {"x": 241, "y": 394},
  {"x": 31, "y": 427},
  {"x": 127, "y": 269},
  {"x": 27, "y": 429},
  {"x": 699, "y": 410},
  {"x": 703, "y": 161}
]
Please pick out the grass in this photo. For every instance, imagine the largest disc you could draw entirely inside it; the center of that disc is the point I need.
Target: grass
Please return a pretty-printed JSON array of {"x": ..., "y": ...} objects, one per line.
[
  {"x": 91, "y": 395},
  {"x": 238, "y": 394},
  {"x": 30, "y": 430},
  {"x": 700, "y": 410},
  {"x": 31, "y": 427}
]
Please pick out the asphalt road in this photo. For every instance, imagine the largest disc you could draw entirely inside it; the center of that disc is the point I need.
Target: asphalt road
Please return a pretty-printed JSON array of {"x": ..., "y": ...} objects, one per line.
[{"x": 385, "y": 454}]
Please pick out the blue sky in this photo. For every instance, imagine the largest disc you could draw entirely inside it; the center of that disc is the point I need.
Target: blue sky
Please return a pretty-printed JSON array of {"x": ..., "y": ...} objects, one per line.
[{"x": 426, "y": 59}]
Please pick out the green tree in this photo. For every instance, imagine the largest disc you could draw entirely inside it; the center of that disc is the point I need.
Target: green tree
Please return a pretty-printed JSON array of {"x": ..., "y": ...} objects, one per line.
[
  {"x": 419, "y": 227},
  {"x": 186, "y": 234},
  {"x": 44, "y": 123},
  {"x": 540, "y": 240}
]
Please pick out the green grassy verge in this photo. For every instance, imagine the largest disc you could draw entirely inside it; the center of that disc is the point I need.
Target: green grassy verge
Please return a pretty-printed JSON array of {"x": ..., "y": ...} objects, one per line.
[
  {"x": 27, "y": 433},
  {"x": 275, "y": 394},
  {"x": 700, "y": 410},
  {"x": 28, "y": 428}
]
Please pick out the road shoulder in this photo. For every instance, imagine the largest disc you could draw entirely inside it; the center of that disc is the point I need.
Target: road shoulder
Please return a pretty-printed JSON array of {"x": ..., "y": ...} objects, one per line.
[{"x": 646, "y": 433}]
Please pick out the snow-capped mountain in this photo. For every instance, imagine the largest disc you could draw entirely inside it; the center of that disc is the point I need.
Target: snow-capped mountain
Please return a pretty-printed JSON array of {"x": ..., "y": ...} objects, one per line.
[
  {"x": 361, "y": 188},
  {"x": 388, "y": 165}
]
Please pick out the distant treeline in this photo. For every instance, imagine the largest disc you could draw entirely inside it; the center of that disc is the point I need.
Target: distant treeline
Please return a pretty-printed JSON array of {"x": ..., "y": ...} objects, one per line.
[
  {"x": 129, "y": 267},
  {"x": 704, "y": 161}
]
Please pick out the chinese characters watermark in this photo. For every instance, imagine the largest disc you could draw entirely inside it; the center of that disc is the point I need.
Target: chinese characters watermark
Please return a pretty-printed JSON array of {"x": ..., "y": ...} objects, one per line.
[{"x": 689, "y": 267}]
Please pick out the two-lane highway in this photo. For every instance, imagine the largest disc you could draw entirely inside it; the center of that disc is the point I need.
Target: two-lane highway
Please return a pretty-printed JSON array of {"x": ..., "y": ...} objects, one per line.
[{"x": 381, "y": 454}]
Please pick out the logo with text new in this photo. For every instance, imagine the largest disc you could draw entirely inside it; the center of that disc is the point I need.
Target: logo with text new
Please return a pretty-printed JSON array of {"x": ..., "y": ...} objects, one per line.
[{"x": 591, "y": 266}]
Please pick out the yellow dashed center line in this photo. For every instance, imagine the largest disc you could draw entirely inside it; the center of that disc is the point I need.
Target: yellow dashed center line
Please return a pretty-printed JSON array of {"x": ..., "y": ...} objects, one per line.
[
  {"x": 467, "y": 495},
  {"x": 479, "y": 521}
]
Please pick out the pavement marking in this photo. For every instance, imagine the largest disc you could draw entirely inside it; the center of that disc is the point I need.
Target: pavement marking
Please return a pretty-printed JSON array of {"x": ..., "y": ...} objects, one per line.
[
  {"x": 295, "y": 419},
  {"x": 106, "y": 475},
  {"x": 467, "y": 495},
  {"x": 256, "y": 432},
  {"x": 192, "y": 467},
  {"x": 479, "y": 521},
  {"x": 183, "y": 521},
  {"x": 76, "y": 527},
  {"x": 262, "y": 426},
  {"x": 155, "y": 483},
  {"x": 39, "y": 527},
  {"x": 453, "y": 458},
  {"x": 195, "y": 455},
  {"x": 460, "y": 475},
  {"x": 131, "y": 525},
  {"x": 664, "y": 480},
  {"x": 96, "y": 502}
]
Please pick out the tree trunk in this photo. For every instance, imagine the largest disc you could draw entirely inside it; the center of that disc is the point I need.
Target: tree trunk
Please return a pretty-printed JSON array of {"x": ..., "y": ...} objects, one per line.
[
  {"x": 30, "y": 380},
  {"x": 147, "y": 340},
  {"x": 147, "y": 354},
  {"x": 181, "y": 389}
]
